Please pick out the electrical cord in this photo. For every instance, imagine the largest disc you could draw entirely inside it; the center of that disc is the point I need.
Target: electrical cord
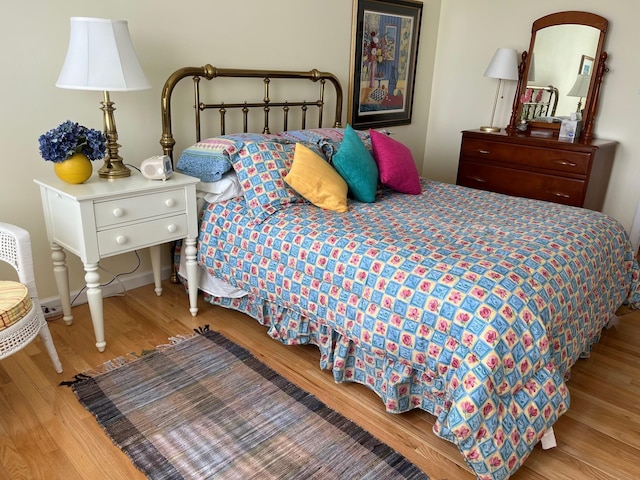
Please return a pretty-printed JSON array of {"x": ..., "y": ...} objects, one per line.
[{"x": 116, "y": 277}]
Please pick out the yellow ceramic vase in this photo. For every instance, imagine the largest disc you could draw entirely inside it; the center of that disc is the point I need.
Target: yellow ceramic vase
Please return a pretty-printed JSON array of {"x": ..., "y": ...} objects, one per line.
[{"x": 76, "y": 169}]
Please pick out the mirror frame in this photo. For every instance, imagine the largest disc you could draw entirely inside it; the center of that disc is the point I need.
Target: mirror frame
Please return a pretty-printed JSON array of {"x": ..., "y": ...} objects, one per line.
[{"x": 599, "y": 68}]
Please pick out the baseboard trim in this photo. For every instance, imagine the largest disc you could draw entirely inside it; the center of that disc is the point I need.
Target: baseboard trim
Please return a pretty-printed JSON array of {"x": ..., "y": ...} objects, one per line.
[{"x": 116, "y": 288}]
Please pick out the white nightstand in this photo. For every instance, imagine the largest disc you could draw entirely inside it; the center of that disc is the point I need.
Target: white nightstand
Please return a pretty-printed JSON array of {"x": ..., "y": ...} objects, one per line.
[{"x": 101, "y": 218}]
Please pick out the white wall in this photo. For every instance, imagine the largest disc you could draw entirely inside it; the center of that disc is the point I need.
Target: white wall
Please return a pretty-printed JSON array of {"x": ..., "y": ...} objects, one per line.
[{"x": 469, "y": 33}]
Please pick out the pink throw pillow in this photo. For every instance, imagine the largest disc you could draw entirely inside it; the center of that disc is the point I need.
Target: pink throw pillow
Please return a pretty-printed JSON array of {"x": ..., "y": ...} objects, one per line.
[{"x": 395, "y": 163}]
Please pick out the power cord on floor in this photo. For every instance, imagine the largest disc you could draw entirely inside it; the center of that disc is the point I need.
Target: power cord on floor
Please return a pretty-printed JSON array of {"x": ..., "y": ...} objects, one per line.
[{"x": 116, "y": 278}]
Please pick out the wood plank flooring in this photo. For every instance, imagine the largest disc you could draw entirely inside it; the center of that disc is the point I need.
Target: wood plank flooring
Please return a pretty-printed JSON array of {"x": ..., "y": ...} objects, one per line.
[{"x": 46, "y": 434}]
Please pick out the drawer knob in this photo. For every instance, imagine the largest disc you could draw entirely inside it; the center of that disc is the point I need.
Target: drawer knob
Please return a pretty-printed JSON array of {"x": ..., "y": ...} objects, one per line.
[
  {"x": 559, "y": 194},
  {"x": 118, "y": 212},
  {"x": 484, "y": 152},
  {"x": 172, "y": 228},
  {"x": 170, "y": 202},
  {"x": 565, "y": 163},
  {"x": 477, "y": 179},
  {"x": 121, "y": 239}
]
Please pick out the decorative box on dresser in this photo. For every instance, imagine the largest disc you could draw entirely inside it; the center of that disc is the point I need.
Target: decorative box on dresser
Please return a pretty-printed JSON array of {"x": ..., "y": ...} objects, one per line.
[
  {"x": 101, "y": 218},
  {"x": 543, "y": 168}
]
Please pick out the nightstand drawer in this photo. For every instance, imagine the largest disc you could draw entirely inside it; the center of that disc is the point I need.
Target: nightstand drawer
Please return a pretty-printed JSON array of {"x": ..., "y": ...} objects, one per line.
[
  {"x": 138, "y": 207},
  {"x": 131, "y": 237},
  {"x": 545, "y": 158},
  {"x": 521, "y": 183}
]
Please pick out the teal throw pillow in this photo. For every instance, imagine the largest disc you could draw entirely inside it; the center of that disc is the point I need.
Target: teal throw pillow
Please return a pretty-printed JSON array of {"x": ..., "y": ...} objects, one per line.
[{"x": 355, "y": 164}]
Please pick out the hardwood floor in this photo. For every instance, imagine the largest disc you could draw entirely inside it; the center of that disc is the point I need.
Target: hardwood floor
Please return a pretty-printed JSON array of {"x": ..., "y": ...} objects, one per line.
[{"x": 46, "y": 434}]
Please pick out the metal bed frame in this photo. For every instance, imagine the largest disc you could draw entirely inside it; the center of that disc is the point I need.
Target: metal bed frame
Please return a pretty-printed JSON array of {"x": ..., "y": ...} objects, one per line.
[{"x": 209, "y": 72}]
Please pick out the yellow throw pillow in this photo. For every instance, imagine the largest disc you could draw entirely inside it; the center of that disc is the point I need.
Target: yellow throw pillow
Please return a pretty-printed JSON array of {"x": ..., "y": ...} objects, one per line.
[{"x": 317, "y": 181}]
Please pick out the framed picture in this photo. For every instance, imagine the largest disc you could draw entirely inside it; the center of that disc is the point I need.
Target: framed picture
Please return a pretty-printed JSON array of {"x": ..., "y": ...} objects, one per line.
[
  {"x": 586, "y": 65},
  {"x": 384, "y": 44}
]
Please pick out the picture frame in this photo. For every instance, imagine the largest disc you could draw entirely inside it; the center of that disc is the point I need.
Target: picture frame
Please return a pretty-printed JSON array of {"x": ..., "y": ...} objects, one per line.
[
  {"x": 586, "y": 65},
  {"x": 384, "y": 46}
]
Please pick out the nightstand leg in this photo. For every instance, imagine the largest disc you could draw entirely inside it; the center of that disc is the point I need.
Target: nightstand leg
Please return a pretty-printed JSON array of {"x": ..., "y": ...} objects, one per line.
[
  {"x": 192, "y": 274},
  {"x": 61, "y": 274},
  {"x": 156, "y": 265},
  {"x": 94, "y": 297}
]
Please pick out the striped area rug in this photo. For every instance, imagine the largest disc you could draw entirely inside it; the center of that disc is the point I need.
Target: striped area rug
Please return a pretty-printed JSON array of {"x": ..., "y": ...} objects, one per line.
[{"x": 204, "y": 408}]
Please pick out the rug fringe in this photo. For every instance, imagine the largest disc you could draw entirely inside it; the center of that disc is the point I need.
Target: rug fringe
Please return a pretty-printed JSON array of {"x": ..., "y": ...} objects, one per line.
[
  {"x": 201, "y": 330},
  {"x": 130, "y": 357},
  {"x": 80, "y": 377}
]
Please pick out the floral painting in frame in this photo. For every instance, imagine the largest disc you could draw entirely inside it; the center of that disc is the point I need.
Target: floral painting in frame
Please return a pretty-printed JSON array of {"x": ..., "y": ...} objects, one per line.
[{"x": 384, "y": 43}]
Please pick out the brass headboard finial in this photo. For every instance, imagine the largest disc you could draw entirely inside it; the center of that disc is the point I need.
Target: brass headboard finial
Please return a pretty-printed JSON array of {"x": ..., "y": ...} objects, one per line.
[{"x": 210, "y": 72}]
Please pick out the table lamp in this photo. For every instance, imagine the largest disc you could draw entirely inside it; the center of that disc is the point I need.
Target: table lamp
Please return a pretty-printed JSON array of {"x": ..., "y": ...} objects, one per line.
[
  {"x": 101, "y": 56},
  {"x": 580, "y": 88},
  {"x": 503, "y": 66}
]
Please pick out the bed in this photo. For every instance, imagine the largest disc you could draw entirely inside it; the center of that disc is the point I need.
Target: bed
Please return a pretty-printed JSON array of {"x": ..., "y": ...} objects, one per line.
[
  {"x": 539, "y": 102},
  {"x": 467, "y": 304}
]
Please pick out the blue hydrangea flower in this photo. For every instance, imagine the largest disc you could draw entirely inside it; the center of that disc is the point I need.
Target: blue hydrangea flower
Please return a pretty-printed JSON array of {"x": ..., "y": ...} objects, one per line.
[{"x": 68, "y": 138}]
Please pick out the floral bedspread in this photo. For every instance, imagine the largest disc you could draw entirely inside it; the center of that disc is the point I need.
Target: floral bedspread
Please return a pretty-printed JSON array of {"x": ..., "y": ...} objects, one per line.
[{"x": 470, "y": 305}]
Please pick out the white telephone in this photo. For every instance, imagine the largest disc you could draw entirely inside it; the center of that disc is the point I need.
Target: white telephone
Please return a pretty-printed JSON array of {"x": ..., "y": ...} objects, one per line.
[{"x": 158, "y": 167}]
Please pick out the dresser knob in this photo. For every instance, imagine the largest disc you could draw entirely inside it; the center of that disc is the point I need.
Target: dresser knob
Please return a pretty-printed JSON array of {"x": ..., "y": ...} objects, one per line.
[
  {"x": 172, "y": 228},
  {"x": 170, "y": 202},
  {"x": 565, "y": 163},
  {"x": 558, "y": 194},
  {"x": 121, "y": 239},
  {"x": 118, "y": 212}
]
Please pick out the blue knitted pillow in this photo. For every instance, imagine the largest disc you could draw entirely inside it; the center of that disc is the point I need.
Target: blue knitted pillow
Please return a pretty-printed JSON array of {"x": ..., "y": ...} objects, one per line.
[{"x": 208, "y": 159}]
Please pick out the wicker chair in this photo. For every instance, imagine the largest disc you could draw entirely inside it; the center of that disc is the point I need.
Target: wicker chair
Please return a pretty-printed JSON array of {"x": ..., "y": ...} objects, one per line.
[{"x": 21, "y": 317}]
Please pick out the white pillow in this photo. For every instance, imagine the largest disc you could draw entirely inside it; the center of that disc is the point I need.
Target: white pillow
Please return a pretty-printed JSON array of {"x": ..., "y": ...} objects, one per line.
[{"x": 224, "y": 189}]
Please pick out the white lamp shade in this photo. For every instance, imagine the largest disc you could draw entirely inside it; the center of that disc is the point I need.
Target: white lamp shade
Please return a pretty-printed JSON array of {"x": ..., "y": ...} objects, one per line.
[
  {"x": 581, "y": 87},
  {"x": 101, "y": 56},
  {"x": 504, "y": 65}
]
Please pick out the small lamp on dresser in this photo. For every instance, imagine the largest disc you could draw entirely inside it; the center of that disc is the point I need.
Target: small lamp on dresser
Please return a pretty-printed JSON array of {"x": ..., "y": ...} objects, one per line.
[
  {"x": 101, "y": 56},
  {"x": 503, "y": 66},
  {"x": 580, "y": 89}
]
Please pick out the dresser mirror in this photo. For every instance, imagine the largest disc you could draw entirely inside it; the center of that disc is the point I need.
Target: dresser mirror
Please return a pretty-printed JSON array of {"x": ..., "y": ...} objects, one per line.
[{"x": 562, "y": 71}]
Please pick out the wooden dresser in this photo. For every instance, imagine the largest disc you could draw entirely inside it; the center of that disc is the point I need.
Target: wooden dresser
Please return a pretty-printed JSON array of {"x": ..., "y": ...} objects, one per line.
[{"x": 544, "y": 168}]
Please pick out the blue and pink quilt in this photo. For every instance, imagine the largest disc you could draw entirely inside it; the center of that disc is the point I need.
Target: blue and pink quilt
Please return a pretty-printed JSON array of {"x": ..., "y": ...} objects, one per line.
[{"x": 470, "y": 305}]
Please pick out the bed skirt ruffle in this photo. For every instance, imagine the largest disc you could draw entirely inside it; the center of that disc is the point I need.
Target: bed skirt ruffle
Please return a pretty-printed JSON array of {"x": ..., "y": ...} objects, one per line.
[{"x": 400, "y": 387}]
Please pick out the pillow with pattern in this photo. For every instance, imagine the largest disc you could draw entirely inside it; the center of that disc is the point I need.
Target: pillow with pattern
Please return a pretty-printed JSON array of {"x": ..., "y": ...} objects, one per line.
[
  {"x": 327, "y": 140},
  {"x": 261, "y": 168}
]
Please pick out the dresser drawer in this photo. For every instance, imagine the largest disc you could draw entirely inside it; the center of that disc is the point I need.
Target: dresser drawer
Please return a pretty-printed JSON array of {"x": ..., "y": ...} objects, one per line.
[
  {"x": 130, "y": 237},
  {"x": 536, "y": 157},
  {"x": 520, "y": 183},
  {"x": 138, "y": 207}
]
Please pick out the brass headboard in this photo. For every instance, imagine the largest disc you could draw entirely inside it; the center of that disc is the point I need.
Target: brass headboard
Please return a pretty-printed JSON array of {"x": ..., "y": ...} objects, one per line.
[
  {"x": 539, "y": 102},
  {"x": 210, "y": 72}
]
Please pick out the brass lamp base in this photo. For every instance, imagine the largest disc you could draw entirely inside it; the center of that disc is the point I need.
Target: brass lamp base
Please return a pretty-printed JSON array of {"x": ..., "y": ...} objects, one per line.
[
  {"x": 490, "y": 129},
  {"x": 114, "y": 169},
  {"x": 113, "y": 166}
]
